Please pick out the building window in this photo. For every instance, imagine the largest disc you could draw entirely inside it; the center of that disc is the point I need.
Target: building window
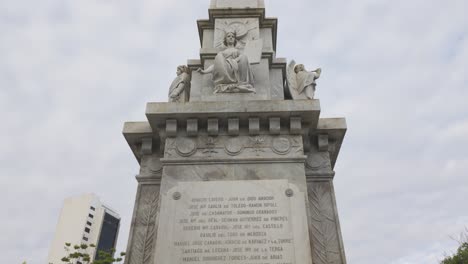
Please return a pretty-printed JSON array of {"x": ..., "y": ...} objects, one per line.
[
  {"x": 89, "y": 223},
  {"x": 108, "y": 233},
  {"x": 85, "y": 238},
  {"x": 86, "y": 230},
  {"x": 91, "y": 216},
  {"x": 92, "y": 208}
]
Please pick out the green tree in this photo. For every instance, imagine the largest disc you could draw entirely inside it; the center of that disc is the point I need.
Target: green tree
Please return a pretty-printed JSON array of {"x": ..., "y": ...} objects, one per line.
[
  {"x": 461, "y": 256},
  {"x": 79, "y": 254}
]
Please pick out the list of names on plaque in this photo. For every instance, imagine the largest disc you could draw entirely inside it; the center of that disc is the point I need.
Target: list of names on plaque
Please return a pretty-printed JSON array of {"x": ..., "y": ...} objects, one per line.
[{"x": 234, "y": 225}]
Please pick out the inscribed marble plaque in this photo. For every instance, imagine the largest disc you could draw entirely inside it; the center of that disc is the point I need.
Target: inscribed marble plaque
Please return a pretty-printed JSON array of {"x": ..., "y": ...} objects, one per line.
[{"x": 235, "y": 222}]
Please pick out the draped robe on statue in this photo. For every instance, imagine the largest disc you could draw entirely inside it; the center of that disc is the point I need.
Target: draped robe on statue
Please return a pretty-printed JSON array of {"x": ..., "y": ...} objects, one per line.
[
  {"x": 176, "y": 91},
  {"x": 306, "y": 83},
  {"x": 232, "y": 73}
]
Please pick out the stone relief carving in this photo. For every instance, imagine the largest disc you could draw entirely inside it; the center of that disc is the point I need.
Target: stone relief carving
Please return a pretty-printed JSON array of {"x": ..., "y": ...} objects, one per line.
[
  {"x": 233, "y": 146},
  {"x": 146, "y": 227},
  {"x": 257, "y": 144},
  {"x": 318, "y": 161},
  {"x": 229, "y": 146},
  {"x": 323, "y": 230},
  {"x": 150, "y": 165},
  {"x": 281, "y": 145},
  {"x": 231, "y": 71},
  {"x": 178, "y": 88},
  {"x": 185, "y": 147},
  {"x": 246, "y": 29},
  {"x": 301, "y": 83},
  {"x": 210, "y": 146}
]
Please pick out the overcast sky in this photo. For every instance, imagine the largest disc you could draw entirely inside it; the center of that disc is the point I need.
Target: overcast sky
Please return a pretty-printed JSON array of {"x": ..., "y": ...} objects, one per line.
[{"x": 72, "y": 72}]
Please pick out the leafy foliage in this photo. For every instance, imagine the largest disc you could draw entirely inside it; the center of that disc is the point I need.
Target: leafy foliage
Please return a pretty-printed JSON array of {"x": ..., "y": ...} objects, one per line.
[
  {"x": 461, "y": 256},
  {"x": 79, "y": 254}
]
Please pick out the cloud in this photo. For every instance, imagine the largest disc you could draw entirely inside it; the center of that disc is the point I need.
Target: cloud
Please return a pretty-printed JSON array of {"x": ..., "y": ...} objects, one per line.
[{"x": 71, "y": 72}]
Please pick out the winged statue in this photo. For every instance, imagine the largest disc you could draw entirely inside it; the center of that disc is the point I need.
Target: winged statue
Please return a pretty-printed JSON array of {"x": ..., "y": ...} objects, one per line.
[{"x": 301, "y": 83}]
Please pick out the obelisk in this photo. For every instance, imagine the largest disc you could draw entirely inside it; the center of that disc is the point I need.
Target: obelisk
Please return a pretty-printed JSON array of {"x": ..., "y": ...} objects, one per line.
[{"x": 238, "y": 166}]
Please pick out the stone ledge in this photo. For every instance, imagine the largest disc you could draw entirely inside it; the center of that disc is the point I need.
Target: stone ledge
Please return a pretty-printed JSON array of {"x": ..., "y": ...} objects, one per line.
[
  {"x": 335, "y": 128},
  {"x": 189, "y": 161},
  {"x": 307, "y": 110},
  {"x": 134, "y": 133}
]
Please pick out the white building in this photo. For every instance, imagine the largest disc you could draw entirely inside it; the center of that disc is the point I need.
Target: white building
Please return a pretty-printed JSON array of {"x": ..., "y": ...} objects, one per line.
[{"x": 84, "y": 220}]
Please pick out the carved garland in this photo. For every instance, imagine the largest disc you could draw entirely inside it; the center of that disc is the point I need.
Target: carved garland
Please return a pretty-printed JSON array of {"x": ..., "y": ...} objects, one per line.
[
  {"x": 146, "y": 237},
  {"x": 325, "y": 246}
]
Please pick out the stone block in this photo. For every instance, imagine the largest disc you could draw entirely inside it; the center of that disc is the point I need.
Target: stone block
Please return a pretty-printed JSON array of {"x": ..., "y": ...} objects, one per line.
[
  {"x": 254, "y": 125},
  {"x": 171, "y": 127},
  {"x": 275, "y": 125},
  {"x": 295, "y": 126},
  {"x": 212, "y": 126},
  {"x": 146, "y": 146},
  {"x": 233, "y": 126},
  {"x": 192, "y": 127},
  {"x": 322, "y": 142},
  {"x": 276, "y": 79}
]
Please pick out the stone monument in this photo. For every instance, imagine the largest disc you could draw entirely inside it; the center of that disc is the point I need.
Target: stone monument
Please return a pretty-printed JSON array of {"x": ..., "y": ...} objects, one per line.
[{"x": 238, "y": 166}]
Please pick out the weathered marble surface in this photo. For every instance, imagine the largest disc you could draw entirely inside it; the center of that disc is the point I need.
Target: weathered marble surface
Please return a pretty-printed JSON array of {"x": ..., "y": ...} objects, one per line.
[
  {"x": 233, "y": 148},
  {"x": 203, "y": 87},
  {"x": 178, "y": 91},
  {"x": 237, "y": 4},
  {"x": 324, "y": 228},
  {"x": 236, "y": 145},
  {"x": 233, "y": 222},
  {"x": 245, "y": 28},
  {"x": 143, "y": 234},
  {"x": 302, "y": 83}
]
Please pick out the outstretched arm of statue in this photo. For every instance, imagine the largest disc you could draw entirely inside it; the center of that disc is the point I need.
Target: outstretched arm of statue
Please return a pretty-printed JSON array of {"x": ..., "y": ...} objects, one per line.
[
  {"x": 208, "y": 70},
  {"x": 318, "y": 71}
]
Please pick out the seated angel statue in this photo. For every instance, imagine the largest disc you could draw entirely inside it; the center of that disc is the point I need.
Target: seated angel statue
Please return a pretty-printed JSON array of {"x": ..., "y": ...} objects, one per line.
[{"x": 231, "y": 72}]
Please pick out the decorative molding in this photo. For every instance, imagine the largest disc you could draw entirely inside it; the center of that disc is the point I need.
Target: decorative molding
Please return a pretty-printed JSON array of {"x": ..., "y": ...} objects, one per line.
[
  {"x": 318, "y": 161},
  {"x": 234, "y": 160},
  {"x": 243, "y": 147},
  {"x": 147, "y": 146},
  {"x": 295, "y": 125},
  {"x": 150, "y": 166},
  {"x": 254, "y": 125},
  {"x": 323, "y": 227},
  {"x": 212, "y": 127},
  {"x": 185, "y": 147},
  {"x": 192, "y": 127},
  {"x": 233, "y": 126},
  {"x": 322, "y": 142},
  {"x": 171, "y": 127},
  {"x": 233, "y": 146},
  {"x": 210, "y": 146},
  {"x": 281, "y": 145},
  {"x": 275, "y": 125},
  {"x": 258, "y": 143}
]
